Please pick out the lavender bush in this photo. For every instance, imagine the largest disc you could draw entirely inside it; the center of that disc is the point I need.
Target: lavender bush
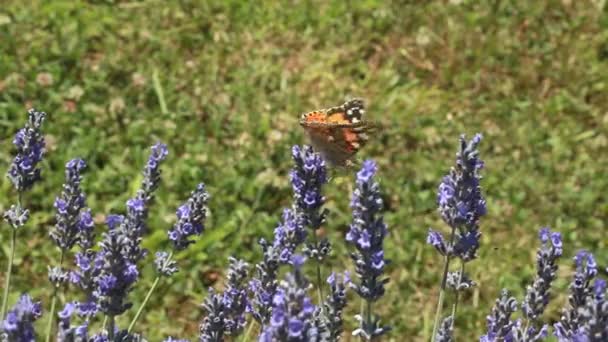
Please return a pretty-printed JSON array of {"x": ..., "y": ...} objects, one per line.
[{"x": 272, "y": 299}]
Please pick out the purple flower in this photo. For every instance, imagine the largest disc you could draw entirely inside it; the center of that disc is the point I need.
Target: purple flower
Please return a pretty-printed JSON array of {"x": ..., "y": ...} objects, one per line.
[
  {"x": 165, "y": 266},
  {"x": 461, "y": 202},
  {"x": 235, "y": 297},
  {"x": 114, "y": 221},
  {"x": 29, "y": 142},
  {"x": 152, "y": 170},
  {"x": 65, "y": 331},
  {"x": 212, "y": 328},
  {"x": 57, "y": 276},
  {"x": 16, "y": 216},
  {"x": 19, "y": 322},
  {"x": 119, "y": 335},
  {"x": 87, "y": 308},
  {"x": 264, "y": 284},
  {"x": 586, "y": 317},
  {"x": 367, "y": 232},
  {"x": 86, "y": 229},
  {"x": 308, "y": 177},
  {"x": 130, "y": 228},
  {"x": 335, "y": 303},
  {"x": 117, "y": 274},
  {"x": 289, "y": 235},
  {"x": 74, "y": 222},
  {"x": 459, "y": 282},
  {"x": 293, "y": 313},
  {"x": 595, "y": 313},
  {"x": 499, "y": 323},
  {"x": 524, "y": 332},
  {"x": 446, "y": 330},
  {"x": 89, "y": 267},
  {"x": 190, "y": 218},
  {"x": 226, "y": 311},
  {"x": 537, "y": 294}
]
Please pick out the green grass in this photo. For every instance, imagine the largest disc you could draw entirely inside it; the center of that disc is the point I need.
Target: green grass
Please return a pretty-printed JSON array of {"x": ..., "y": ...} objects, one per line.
[{"x": 223, "y": 84}]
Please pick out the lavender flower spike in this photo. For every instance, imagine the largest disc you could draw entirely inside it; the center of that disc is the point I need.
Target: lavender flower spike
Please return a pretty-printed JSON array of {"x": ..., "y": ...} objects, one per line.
[
  {"x": 191, "y": 218},
  {"x": 16, "y": 216},
  {"x": 537, "y": 294},
  {"x": 499, "y": 323},
  {"x": 19, "y": 322},
  {"x": 65, "y": 331},
  {"x": 446, "y": 330},
  {"x": 307, "y": 179},
  {"x": 264, "y": 285},
  {"x": 30, "y": 144},
  {"x": 596, "y": 312},
  {"x": 574, "y": 321},
  {"x": 292, "y": 311},
  {"x": 461, "y": 202},
  {"x": 69, "y": 205},
  {"x": 165, "y": 266},
  {"x": 335, "y": 304},
  {"x": 115, "y": 273},
  {"x": 235, "y": 297},
  {"x": 226, "y": 312},
  {"x": 367, "y": 232},
  {"x": 289, "y": 234},
  {"x": 152, "y": 170},
  {"x": 132, "y": 226}
]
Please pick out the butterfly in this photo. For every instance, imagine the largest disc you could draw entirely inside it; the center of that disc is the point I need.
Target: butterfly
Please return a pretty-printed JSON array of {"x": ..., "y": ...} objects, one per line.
[{"x": 338, "y": 132}]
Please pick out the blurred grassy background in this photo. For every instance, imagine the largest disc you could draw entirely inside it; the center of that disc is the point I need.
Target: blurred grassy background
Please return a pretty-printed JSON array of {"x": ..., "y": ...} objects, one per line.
[{"x": 223, "y": 83}]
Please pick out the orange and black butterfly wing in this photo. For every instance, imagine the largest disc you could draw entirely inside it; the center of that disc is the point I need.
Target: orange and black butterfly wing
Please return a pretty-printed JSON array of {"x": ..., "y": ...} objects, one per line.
[{"x": 338, "y": 132}]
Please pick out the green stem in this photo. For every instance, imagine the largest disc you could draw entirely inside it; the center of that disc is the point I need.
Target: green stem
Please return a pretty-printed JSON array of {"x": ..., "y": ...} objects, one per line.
[
  {"x": 319, "y": 281},
  {"x": 369, "y": 313},
  {"x": 245, "y": 337},
  {"x": 49, "y": 327},
  {"x": 9, "y": 269},
  {"x": 11, "y": 257},
  {"x": 367, "y": 305},
  {"x": 158, "y": 88},
  {"x": 110, "y": 329},
  {"x": 319, "y": 284},
  {"x": 457, "y": 295},
  {"x": 525, "y": 331},
  {"x": 362, "y": 314},
  {"x": 148, "y": 296},
  {"x": 444, "y": 280},
  {"x": 437, "y": 314},
  {"x": 141, "y": 307}
]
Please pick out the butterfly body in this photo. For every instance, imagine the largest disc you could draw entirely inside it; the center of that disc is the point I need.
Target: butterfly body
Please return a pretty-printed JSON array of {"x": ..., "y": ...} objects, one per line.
[{"x": 338, "y": 132}]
